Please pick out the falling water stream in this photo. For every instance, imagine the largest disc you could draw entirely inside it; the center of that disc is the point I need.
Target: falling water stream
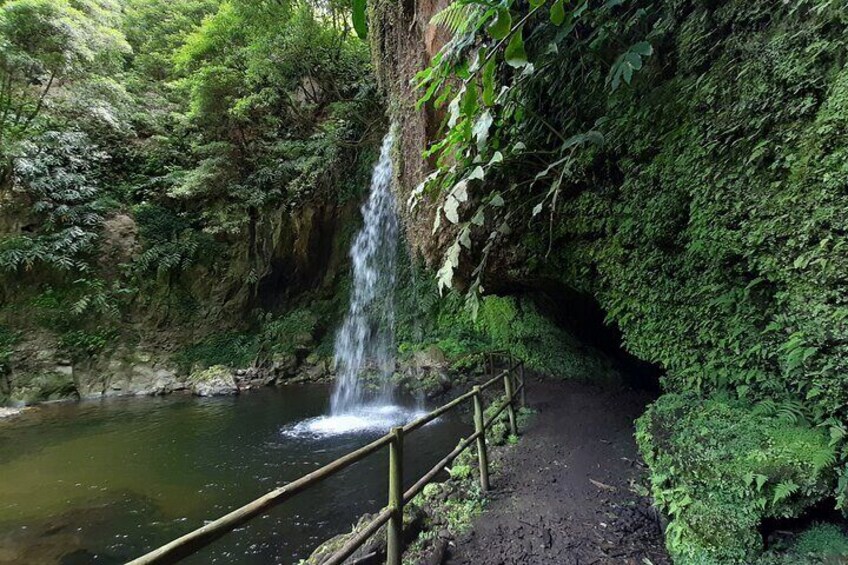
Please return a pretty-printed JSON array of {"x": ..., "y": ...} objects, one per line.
[
  {"x": 363, "y": 398},
  {"x": 365, "y": 340}
]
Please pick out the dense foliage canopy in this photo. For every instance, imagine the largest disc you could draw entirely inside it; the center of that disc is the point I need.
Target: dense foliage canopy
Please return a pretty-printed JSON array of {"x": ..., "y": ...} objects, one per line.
[
  {"x": 684, "y": 163},
  {"x": 141, "y": 139}
]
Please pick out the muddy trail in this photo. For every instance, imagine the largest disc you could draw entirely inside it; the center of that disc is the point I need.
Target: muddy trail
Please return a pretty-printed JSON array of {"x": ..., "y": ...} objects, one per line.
[{"x": 564, "y": 494}]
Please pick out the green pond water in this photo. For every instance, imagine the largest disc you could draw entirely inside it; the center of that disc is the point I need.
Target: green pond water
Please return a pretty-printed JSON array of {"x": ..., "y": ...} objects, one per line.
[{"x": 103, "y": 482}]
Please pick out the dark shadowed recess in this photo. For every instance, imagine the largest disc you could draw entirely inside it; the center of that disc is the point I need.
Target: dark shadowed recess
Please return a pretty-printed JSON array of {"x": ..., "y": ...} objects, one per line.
[{"x": 581, "y": 315}]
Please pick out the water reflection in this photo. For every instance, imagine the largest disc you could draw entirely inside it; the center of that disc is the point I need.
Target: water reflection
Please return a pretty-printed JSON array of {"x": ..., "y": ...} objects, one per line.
[{"x": 103, "y": 482}]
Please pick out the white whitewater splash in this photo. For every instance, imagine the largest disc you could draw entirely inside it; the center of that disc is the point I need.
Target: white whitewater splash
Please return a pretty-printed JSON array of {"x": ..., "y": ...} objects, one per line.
[
  {"x": 370, "y": 419},
  {"x": 365, "y": 341}
]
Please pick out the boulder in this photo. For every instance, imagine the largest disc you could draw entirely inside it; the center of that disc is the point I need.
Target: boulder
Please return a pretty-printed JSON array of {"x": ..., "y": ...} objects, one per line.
[
  {"x": 254, "y": 378},
  {"x": 214, "y": 381},
  {"x": 429, "y": 358},
  {"x": 7, "y": 412},
  {"x": 42, "y": 387}
]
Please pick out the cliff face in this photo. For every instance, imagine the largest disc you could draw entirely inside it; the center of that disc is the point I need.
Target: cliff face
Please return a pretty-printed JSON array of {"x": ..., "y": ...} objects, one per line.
[
  {"x": 710, "y": 227},
  {"x": 292, "y": 259},
  {"x": 403, "y": 42}
]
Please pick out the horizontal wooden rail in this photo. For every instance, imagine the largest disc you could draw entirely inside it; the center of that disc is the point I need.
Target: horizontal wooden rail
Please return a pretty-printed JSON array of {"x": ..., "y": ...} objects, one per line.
[
  {"x": 360, "y": 538},
  {"x": 439, "y": 467},
  {"x": 427, "y": 418},
  {"x": 392, "y": 514},
  {"x": 193, "y": 541}
]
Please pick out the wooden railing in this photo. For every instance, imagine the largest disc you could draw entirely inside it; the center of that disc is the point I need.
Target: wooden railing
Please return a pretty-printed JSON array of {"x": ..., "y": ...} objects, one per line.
[{"x": 513, "y": 382}]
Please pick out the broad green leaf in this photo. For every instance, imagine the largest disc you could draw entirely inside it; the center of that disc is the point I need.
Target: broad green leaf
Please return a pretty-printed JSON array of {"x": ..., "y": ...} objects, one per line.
[
  {"x": 465, "y": 237},
  {"x": 536, "y": 3},
  {"x": 360, "y": 24},
  {"x": 460, "y": 191},
  {"x": 453, "y": 111},
  {"x": 477, "y": 173},
  {"x": 481, "y": 130},
  {"x": 502, "y": 24},
  {"x": 437, "y": 223},
  {"x": 627, "y": 72},
  {"x": 452, "y": 209},
  {"x": 479, "y": 218},
  {"x": 634, "y": 60},
  {"x": 558, "y": 12},
  {"x": 515, "y": 55},
  {"x": 643, "y": 48},
  {"x": 469, "y": 100}
]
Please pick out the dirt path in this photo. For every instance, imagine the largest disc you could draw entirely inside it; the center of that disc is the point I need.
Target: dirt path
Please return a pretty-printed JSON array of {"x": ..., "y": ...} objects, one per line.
[{"x": 544, "y": 506}]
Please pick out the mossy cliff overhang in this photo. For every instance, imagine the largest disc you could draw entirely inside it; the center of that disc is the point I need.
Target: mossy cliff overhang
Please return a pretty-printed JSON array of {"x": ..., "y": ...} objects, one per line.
[{"x": 403, "y": 41}]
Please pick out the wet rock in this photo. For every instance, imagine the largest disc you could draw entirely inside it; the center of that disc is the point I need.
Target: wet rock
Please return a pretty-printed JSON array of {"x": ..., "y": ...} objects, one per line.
[
  {"x": 6, "y": 412},
  {"x": 429, "y": 358},
  {"x": 253, "y": 378},
  {"x": 284, "y": 365},
  {"x": 127, "y": 373},
  {"x": 214, "y": 381},
  {"x": 42, "y": 387}
]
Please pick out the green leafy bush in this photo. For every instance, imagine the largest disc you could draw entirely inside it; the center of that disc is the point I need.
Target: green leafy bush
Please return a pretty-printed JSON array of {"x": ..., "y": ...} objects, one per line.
[
  {"x": 719, "y": 466},
  {"x": 56, "y": 173},
  {"x": 231, "y": 349},
  {"x": 80, "y": 344},
  {"x": 516, "y": 325},
  {"x": 173, "y": 242},
  {"x": 822, "y": 540},
  {"x": 8, "y": 339}
]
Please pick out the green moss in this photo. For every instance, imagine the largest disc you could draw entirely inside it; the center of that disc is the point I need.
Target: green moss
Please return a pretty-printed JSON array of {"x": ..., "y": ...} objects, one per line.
[
  {"x": 824, "y": 541},
  {"x": 516, "y": 325},
  {"x": 720, "y": 466}
]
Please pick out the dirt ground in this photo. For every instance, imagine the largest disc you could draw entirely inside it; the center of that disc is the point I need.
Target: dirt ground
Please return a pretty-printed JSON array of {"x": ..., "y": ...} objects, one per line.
[{"x": 563, "y": 494}]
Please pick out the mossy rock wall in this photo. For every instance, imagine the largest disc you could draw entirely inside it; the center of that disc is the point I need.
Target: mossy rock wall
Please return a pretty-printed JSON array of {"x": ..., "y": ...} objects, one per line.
[{"x": 711, "y": 225}]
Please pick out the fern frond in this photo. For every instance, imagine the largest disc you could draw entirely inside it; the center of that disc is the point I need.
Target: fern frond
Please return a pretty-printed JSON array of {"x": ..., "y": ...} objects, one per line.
[
  {"x": 784, "y": 490},
  {"x": 455, "y": 18}
]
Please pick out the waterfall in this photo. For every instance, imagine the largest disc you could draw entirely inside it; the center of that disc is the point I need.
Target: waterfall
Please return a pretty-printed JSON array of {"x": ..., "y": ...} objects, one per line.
[{"x": 365, "y": 341}]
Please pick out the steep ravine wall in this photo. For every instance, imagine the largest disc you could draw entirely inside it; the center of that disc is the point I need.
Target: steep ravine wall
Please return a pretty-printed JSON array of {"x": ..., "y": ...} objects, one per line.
[
  {"x": 711, "y": 228},
  {"x": 402, "y": 42},
  {"x": 292, "y": 258}
]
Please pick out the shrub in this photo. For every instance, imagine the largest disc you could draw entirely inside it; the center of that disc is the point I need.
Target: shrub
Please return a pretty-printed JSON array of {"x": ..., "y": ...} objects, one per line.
[
  {"x": 822, "y": 540},
  {"x": 80, "y": 344},
  {"x": 232, "y": 349},
  {"x": 285, "y": 334},
  {"x": 719, "y": 466},
  {"x": 8, "y": 339},
  {"x": 517, "y": 325}
]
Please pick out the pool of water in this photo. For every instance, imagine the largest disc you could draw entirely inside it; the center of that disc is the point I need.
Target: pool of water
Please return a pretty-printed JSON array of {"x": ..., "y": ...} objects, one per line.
[{"x": 103, "y": 482}]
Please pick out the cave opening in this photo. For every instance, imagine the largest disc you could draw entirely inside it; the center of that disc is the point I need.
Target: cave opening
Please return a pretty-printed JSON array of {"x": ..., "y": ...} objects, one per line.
[{"x": 581, "y": 315}]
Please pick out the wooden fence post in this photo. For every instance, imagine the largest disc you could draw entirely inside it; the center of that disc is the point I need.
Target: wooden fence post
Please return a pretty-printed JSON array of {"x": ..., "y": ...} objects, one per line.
[
  {"x": 523, "y": 387},
  {"x": 479, "y": 427},
  {"x": 394, "y": 543},
  {"x": 510, "y": 409}
]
